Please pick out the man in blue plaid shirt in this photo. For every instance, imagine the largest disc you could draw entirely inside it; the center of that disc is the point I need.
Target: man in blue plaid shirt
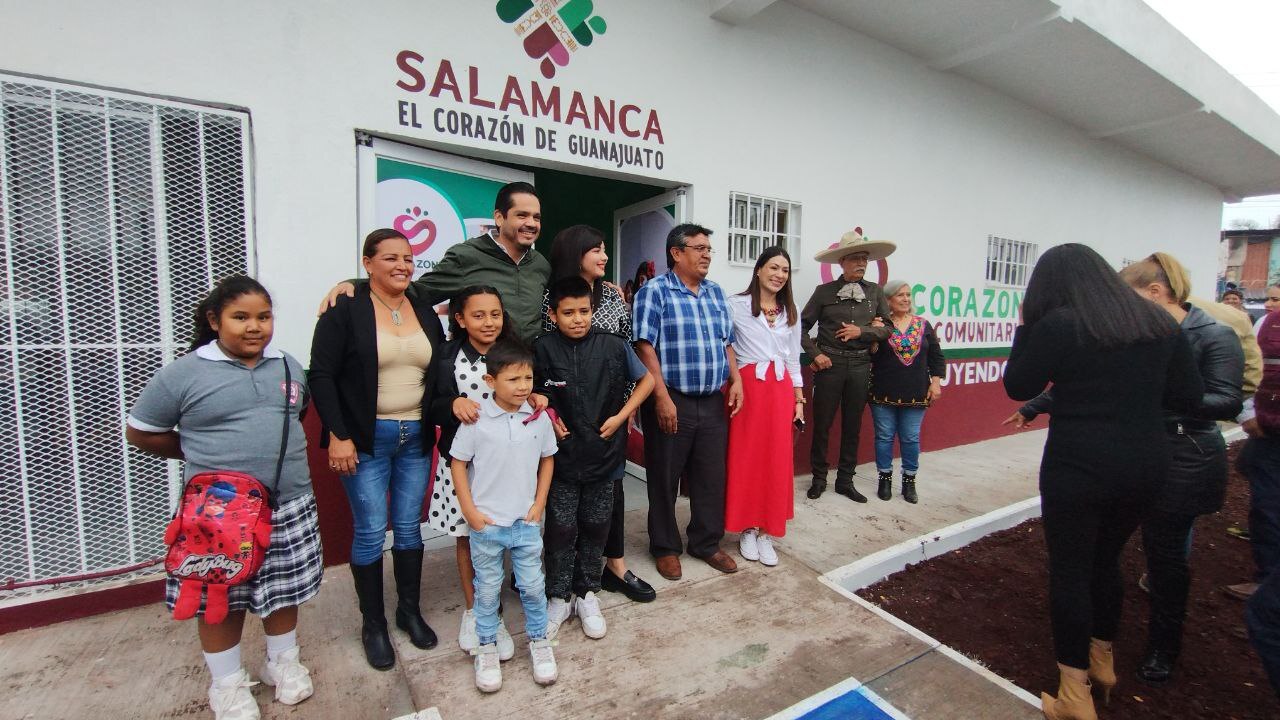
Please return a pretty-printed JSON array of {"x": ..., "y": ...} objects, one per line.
[{"x": 683, "y": 332}]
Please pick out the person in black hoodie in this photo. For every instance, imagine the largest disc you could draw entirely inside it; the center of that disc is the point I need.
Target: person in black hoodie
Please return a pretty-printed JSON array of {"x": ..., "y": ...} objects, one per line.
[
  {"x": 1197, "y": 477},
  {"x": 1116, "y": 362},
  {"x": 585, "y": 374},
  {"x": 370, "y": 373}
]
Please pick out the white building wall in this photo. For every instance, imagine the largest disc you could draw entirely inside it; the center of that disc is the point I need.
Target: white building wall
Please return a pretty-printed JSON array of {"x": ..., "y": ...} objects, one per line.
[{"x": 787, "y": 105}]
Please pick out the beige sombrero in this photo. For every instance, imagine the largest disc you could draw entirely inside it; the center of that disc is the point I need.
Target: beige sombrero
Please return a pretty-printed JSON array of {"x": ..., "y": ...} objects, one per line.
[{"x": 853, "y": 242}]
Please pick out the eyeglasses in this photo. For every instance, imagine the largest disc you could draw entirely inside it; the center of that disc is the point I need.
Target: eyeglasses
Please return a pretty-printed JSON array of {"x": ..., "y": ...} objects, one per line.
[{"x": 701, "y": 249}]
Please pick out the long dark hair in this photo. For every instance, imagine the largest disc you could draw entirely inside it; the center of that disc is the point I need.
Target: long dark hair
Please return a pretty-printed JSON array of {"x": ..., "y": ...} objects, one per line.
[
  {"x": 459, "y": 303},
  {"x": 785, "y": 300},
  {"x": 567, "y": 250},
  {"x": 1074, "y": 277},
  {"x": 228, "y": 289}
]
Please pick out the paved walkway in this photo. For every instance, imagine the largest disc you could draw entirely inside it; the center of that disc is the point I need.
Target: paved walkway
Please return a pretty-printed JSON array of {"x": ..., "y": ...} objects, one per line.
[{"x": 747, "y": 645}]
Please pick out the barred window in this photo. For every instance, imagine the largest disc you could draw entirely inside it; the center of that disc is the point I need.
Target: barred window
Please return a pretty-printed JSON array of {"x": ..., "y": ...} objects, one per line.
[
  {"x": 1009, "y": 262},
  {"x": 756, "y": 223},
  {"x": 117, "y": 213}
]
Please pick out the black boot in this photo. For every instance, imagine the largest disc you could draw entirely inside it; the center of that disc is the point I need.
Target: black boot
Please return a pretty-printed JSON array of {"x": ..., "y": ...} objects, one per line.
[
  {"x": 373, "y": 633},
  {"x": 1156, "y": 668},
  {"x": 816, "y": 488},
  {"x": 909, "y": 489},
  {"x": 408, "y": 569},
  {"x": 885, "y": 492},
  {"x": 846, "y": 489}
]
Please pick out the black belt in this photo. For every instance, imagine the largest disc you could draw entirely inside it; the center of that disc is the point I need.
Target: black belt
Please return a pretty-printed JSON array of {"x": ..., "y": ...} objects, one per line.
[
  {"x": 1188, "y": 427},
  {"x": 859, "y": 352}
]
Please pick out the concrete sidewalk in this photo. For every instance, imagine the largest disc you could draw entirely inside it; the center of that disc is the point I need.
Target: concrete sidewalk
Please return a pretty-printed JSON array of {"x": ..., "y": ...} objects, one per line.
[{"x": 745, "y": 645}]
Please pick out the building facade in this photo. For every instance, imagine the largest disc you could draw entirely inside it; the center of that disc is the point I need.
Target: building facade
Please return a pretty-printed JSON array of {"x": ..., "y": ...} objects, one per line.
[{"x": 150, "y": 149}]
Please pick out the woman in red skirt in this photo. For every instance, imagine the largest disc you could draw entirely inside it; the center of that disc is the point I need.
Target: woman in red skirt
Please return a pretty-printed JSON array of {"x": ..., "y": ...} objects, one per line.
[{"x": 761, "y": 476}]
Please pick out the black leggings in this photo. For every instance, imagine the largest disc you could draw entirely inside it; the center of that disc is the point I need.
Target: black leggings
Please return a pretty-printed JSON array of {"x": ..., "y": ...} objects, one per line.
[
  {"x": 1084, "y": 539},
  {"x": 616, "y": 545}
]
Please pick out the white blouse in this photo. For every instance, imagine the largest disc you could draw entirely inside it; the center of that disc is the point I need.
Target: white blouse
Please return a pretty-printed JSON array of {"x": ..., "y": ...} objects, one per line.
[{"x": 755, "y": 341}]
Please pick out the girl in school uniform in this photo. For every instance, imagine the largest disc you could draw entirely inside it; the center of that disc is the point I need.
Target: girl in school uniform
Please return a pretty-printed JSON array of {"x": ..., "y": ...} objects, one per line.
[{"x": 226, "y": 395}]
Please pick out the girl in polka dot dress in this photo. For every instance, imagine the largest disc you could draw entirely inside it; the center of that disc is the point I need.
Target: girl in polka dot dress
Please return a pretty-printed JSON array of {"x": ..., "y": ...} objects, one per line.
[{"x": 477, "y": 321}]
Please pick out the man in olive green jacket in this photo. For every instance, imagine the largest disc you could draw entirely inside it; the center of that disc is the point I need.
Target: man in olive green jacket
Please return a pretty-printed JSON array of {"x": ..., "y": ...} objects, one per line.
[{"x": 508, "y": 262}]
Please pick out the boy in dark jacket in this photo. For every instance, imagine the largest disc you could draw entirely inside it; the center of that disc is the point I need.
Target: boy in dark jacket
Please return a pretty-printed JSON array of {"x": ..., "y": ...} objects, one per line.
[{"x": 585, "y": 375}]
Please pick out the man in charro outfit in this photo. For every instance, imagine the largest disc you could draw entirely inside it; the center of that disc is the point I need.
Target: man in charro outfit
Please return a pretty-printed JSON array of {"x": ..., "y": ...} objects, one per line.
[{"x": 846, "y": 311}]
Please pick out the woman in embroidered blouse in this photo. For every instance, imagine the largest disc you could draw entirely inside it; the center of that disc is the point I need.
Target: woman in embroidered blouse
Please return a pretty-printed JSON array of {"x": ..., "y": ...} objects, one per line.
[
  {"x": 760, "y": 480},
  {"x": 579, "y": 250},
  {"x": 906, "y": 377}
]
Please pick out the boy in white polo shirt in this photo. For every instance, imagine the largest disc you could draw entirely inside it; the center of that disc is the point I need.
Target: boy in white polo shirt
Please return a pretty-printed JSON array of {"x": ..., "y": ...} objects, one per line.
[{"x": 509, "y": 452}]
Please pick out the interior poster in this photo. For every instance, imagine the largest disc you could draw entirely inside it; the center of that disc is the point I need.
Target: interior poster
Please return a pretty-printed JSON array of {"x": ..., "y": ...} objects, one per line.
[
  {"x": 642, "y": 241},
  {"x": 434, "y": 208}
]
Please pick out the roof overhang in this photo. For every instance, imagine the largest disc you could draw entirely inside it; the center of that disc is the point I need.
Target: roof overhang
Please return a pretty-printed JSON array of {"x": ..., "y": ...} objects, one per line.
[{"x": 1115, "y": 69}]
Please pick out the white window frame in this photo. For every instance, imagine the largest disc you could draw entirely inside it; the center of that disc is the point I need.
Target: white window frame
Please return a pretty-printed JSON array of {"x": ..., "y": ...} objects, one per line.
[
  {"x": 754, "y": 222},
  {"x": 1009, "y": 261}
]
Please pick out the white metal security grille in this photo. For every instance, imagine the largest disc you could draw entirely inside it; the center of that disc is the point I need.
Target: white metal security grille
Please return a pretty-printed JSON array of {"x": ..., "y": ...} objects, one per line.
[
  {"x": 117, "y": 213},
  {"x": 756, "y": 223},
  {"x": 1009, "y": 262}
]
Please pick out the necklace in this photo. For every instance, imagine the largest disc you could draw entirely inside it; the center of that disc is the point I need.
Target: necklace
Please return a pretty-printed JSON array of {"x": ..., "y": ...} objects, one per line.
[
  {"x": 396, "y": 319},
  {"x": 771, "y": 314}
]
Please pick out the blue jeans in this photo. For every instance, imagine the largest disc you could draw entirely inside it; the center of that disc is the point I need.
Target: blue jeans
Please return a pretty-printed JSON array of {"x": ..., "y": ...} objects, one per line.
[
  {"x": 397, "y": 468},
  {"x": 904, "y": 422},
  {"x": 524, "y": 540},
  {"x": 1262, "y": 614}
]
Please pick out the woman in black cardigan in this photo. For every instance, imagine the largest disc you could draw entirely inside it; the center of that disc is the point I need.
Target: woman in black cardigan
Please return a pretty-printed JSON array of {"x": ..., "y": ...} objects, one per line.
[
  {"x": 906, "y": 377},
  {"x": 1116, "y": 362},
  {"x": 370, "y": 375}
]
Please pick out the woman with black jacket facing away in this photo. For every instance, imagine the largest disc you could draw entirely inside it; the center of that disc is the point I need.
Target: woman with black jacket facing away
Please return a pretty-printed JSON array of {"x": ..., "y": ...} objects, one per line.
[
  {"x": 1115, "y": 362},
  {"x": 370, "y": 372},
  {"x": 1197, "y": 477}
]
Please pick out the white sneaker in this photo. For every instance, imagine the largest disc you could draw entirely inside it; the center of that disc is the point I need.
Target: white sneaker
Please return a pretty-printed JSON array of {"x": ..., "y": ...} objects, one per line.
[
  {"x": 767, "y": 555},
  {"x": 587, "y": 608},
  {"x": 467, "y": 638},
  {"x": 506, "y": 646},
  {"x": 488, "y": 668},
  {"x": 558, "y": 611},
  {"x": 289, "y": 677},
  {"x": 748, "y": 545},
  {"x": 544, "y": 662},
  {"x": 230, "y": 699}
]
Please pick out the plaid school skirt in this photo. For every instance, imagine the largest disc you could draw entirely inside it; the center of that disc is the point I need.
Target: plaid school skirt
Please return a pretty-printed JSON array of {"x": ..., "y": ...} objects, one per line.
[{"x": 290, "y": 572}]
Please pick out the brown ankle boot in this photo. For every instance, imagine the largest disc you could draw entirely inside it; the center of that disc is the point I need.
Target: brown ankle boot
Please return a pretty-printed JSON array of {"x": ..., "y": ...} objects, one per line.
[
  {"x": 1074, "y": 701},
  {"x": 1102, "y": 668}
]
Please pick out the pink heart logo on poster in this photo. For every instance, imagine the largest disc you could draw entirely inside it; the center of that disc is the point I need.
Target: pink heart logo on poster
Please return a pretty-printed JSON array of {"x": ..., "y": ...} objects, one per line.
[
  {"x": 413, "y": 224},
  {"x": 830, "y": 271}
]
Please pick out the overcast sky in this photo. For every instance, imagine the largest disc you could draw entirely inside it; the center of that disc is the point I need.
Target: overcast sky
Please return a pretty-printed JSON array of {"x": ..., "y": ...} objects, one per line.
[{"x": 1241, "y": 36}]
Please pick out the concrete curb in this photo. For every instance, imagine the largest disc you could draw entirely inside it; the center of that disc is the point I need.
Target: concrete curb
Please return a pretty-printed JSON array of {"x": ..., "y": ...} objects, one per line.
[{"x": 878, "y": 566}]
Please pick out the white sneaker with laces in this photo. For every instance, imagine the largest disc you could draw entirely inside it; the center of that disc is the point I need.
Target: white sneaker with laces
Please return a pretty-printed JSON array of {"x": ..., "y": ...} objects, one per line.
[
  {"x": 230, "y": 699},
  {"x": 748, "y": 545},
  {"x": 289, "y": 677},
  {"x": 587, "y": 609},
  {"x": 767, "y": 555},
  {"x": 488, "y": 668},
  {"x": 558, "y": 611},
  {"x": 545, "y": 671},
  {"x": 467, "y": 638},
  {"x": 506, "y": 646}
]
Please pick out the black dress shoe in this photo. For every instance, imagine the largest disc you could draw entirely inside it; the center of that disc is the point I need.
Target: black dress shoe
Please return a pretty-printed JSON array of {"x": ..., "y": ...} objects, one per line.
[
  {"x": 850, "y": 492},
  {"x": 816, "y": 489},
  {"x": 1156, "y": 668},
  {"x": 629, "y": 585}
]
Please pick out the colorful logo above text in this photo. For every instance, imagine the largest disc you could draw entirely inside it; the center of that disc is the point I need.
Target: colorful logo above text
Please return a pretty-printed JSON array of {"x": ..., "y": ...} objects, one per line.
[{"x": 552, "y": 30}]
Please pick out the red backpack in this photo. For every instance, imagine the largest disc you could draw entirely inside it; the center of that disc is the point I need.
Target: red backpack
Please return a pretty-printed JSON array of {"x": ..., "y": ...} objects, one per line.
[
  {"x": 218, "y": 538},
  {"x": 221, "y": 531}
]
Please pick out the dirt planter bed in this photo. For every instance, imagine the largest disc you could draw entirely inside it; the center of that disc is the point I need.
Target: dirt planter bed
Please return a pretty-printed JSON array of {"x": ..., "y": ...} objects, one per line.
[{"x": 989, "y": 601}]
